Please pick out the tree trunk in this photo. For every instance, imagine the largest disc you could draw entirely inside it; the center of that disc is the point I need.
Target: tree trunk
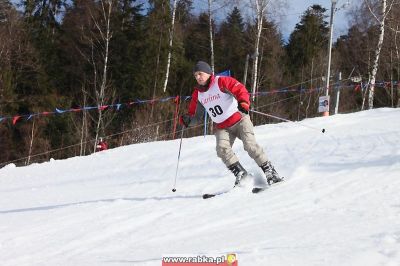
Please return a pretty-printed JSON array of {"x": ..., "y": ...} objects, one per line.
[
  {"x": 156, "y": 75},
  {"x": 83, "y": 127},
  {"x": 31, "y": 142},
  {"x": 106, "y": 38},
  {"x": 212, "y": 54},
  {"x": 398, "y": 66},
  {"x": 377, "y": 54},
  {"x": 171, "y": 37},
  {"x": 260, "y": 14},
  {"x": 211, "y": 36},
  {"x": 311, "y": 86},
  {"x": 364, "y": 93}
]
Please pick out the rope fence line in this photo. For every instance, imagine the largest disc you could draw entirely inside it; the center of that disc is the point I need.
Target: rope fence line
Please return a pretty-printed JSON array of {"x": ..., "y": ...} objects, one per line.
[
  {"x": 85, "y": 142},
  {"x": 92, "y": 140},
  {"x": 125, "y": 132},
  {"x": 118, "y": 106},
  {"x": 302, "y": 92}
]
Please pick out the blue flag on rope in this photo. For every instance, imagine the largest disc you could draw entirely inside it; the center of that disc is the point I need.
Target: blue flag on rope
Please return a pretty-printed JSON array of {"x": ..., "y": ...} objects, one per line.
[
  {"x": 59, "y": 111},
  {"x": 224, "y": 73}
]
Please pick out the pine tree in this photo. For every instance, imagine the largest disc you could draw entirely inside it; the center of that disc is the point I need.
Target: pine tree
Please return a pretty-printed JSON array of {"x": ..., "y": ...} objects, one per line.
[
  {"x": 231, "y": 44},
  {"x": 308, "y": 40},
  {"x": 5, "y": 6},
  {"x": 198, "y": 46},
  {"x": 128, "y": 32}
]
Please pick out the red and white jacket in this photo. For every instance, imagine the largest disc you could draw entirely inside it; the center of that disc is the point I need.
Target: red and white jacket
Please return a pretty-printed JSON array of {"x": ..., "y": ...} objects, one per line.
[
  {"x": 101, "y": 146},
  {"x": 221, "y": 100}
]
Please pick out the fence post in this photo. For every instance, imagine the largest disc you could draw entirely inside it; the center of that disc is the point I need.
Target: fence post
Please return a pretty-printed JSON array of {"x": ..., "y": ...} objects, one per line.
[
  {"x": 176, "y": 100},
  {"x": 338, "y": 84}
]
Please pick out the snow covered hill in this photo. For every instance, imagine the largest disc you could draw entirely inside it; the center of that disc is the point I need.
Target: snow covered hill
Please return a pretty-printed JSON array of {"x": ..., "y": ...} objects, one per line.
[{"x": 339, "y": 205}]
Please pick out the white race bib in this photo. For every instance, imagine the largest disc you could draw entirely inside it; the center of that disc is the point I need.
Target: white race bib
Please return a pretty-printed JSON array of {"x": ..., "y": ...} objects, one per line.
[{"x": 219, "y": 105}]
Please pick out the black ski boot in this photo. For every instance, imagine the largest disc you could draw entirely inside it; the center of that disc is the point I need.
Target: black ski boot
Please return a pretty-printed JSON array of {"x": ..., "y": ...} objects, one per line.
[
  {"x": 239, "y": 172},
  {"x": 270, "y": 172}
]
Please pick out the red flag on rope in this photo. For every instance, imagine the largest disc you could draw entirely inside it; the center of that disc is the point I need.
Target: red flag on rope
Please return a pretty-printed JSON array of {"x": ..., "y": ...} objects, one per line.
[{"x": 15, "y": 119}]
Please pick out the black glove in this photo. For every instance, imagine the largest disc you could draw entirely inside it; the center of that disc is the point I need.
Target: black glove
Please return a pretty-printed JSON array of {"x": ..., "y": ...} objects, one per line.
[
  {"x": 244, "y": 107},
  {"x": 184, "y": 120}
]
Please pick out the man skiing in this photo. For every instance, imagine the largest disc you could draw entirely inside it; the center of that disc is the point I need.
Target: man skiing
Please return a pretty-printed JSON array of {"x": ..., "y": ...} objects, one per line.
[{"x": 227, "y": 102}]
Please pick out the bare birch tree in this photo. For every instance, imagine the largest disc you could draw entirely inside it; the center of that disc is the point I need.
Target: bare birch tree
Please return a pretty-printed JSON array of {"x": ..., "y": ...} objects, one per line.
[
  {"x": 393, "y": 24},
  {"x": 260, "y": 8},
  {"x": 94, "y": 47},
  {"x": 398, "y": 67},
  {"x": 105, "y": 35},
  {"x": 158, "y": 59},
  {"x": 171, "y": 37},
  {"x": 210, "y": 25},
  {"x": 381, "y": 22},
  {"x": 213, "y": 6}
]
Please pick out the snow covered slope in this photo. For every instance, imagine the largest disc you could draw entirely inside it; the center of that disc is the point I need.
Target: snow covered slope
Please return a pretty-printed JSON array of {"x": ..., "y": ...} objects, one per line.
[{"x": 340, "y": 204}]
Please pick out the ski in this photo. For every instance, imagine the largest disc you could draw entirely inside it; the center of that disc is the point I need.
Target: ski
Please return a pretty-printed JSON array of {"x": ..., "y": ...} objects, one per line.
[
  {"x": 207, "y": 196},
  {"x": 256, "y": 190},
  {"x": 211, "y": 195}
]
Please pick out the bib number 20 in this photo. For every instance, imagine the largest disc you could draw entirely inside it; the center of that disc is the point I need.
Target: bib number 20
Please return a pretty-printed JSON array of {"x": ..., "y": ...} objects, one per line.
[{"x": 217, "y": 110}]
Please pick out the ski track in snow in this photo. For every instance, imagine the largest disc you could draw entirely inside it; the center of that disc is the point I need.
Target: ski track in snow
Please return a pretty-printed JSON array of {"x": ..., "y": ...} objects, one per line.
[{"x": 339, "y": 204}]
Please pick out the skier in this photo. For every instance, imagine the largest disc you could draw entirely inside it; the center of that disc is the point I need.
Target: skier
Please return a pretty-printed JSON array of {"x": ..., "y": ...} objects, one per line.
[
  {"x": 101, "y": 145},
  {"x": 227, "y": 102}
]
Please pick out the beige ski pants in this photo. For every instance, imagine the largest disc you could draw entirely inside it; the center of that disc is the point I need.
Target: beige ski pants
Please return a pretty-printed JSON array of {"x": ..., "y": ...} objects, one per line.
[{"x": 244, "y": 131}]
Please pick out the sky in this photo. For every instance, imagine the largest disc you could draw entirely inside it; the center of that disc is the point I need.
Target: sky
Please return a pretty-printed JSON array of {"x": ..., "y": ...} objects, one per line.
[
  {"x": 295, "y": 8},
  {"x": 338, "y": 205},
  {"x": 292, "y": 12},
  {"x": 298, "y": 7}
]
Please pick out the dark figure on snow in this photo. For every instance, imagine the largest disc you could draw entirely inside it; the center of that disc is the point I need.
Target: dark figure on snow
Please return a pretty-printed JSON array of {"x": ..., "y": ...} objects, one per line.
[
  {"x": 101, "y": 145},
  {"x": 227, "y": 101}
]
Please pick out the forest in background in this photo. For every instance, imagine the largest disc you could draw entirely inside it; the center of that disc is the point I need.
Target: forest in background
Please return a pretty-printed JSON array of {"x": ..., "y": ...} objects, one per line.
[{"x": 130, "y": 59}]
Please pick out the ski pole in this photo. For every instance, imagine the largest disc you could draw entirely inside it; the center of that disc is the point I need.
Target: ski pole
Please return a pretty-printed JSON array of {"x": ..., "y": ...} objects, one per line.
[
  {"x": 286, "y": 120},
  {"x": 179, "y": 156}
]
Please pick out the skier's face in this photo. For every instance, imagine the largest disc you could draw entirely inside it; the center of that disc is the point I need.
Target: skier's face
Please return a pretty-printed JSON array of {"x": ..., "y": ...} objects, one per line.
[{"x": 201, "y": 77}]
